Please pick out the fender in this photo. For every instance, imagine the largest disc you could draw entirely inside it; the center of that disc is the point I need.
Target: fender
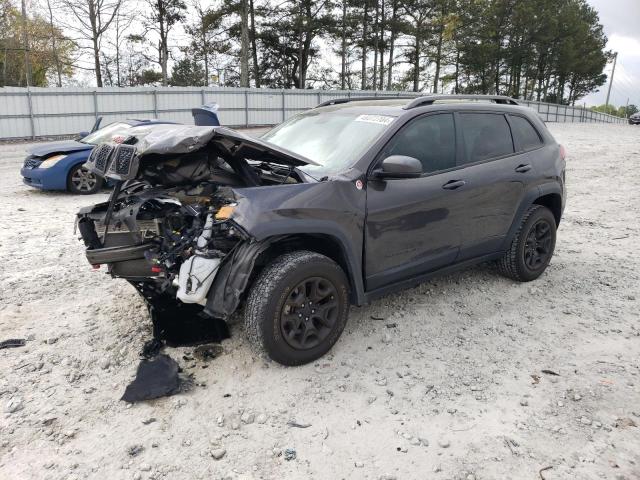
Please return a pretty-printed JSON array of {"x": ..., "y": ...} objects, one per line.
[
  {"x": 235, "y": 271},
  {"x": 269, "y": 215},
  {"x": 351, "y": 250},
  {"x": 527, "y": 200}
]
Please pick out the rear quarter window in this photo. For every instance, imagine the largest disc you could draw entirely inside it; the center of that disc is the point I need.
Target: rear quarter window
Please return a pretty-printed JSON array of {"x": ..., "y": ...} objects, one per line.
[
  {"x": 525, "y": 136},
  {"x": 486, "y": 136}
]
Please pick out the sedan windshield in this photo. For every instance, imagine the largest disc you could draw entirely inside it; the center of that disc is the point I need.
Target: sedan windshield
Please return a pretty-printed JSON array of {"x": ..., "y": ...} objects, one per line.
[
  {"x": 334, "y": 140},
  {"x": 107, "y": 133}
]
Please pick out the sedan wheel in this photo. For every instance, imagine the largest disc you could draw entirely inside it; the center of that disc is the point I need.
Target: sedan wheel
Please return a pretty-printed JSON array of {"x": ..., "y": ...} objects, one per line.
[{"x": 82, "y": 181}]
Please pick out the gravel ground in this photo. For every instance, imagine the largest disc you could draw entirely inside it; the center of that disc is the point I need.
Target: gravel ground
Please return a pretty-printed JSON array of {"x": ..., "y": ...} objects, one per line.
[{"x": 444, "y": 381}]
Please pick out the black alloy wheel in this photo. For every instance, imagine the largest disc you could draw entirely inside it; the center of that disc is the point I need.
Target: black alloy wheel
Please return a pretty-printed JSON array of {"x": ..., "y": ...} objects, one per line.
[
  {"x": 532, "y": 246},
  {"x": 537, "y": 249},
  {"x": 297, "y": 308},
  {"x": 309, "y": 313}
]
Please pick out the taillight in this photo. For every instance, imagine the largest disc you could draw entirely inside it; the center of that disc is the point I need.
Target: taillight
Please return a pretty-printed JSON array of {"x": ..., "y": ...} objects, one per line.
[{"x": 563, "y": 152}]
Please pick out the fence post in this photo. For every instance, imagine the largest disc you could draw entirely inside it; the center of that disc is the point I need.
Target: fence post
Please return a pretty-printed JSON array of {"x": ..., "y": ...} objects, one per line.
[
  {"x": 319, "y": 98},
  {"x": 155, "y": 103},
  {"x": 202, "y": 97},
  {"x": 284, "y": 113},
  {"x": 31, "y": 122},
  {"x": 95, "y": 104},
  {"x": 246, "y": 108}
]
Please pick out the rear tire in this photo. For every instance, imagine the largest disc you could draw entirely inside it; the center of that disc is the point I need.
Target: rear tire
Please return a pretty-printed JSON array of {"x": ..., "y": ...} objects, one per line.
[
  {"x": 83, "y": 182},
  {"x": 297, "y": 308},
  {"x": 532, "y": 247}
]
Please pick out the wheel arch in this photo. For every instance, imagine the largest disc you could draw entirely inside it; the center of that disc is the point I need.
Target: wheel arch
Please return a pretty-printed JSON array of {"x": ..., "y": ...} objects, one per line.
[
  {"x": 547, "y": 195},
  {"x": 553, "y": 201},
  {"x": 322, "y": 243},
  {"x": 238, "y": 273},
  {"x": 71, "y": 165}
]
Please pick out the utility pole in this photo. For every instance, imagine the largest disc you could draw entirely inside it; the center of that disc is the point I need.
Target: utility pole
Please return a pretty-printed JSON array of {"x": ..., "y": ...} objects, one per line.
[
  {"x": 626, "y": 109},
  {"x": 615, "y": 60},
  {"x": 25, "y": 41}
]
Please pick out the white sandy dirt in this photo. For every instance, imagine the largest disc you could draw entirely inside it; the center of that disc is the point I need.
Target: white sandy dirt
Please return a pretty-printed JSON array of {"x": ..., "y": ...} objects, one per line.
[{"x": 443, "y": 381}]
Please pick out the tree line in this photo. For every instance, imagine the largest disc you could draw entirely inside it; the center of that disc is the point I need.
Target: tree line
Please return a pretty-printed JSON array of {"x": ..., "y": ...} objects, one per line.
[{"x": 546, "y": 50}]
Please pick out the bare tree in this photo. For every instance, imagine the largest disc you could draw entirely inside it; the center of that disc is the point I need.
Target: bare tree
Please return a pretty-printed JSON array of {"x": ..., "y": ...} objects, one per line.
[
  {"x": 54, "y": 45},
  {"x": 94, "y": 18},
  {"x": 121, "y": 24},
  {"x": 161, "y": 18}
]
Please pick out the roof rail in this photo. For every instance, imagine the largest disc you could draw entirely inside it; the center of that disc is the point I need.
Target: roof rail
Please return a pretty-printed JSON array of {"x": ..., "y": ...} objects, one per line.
[
  {"x": 337, "y": 101},
  {"x": 430, "y": 99}
]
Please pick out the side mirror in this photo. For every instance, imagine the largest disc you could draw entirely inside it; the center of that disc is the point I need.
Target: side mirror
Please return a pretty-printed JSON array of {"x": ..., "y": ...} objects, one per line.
[
  {"x": 399, "y": 166},
  {"x": 81, "y": 135}
]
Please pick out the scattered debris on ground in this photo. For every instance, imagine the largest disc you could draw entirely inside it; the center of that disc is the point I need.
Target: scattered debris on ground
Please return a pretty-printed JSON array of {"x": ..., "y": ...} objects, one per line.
[
  {"x": 155, "y": 378},
  {"x": 13, "y": 343}
]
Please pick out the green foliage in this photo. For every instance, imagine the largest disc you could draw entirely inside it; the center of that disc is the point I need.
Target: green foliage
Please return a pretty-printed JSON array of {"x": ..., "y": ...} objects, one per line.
[
  {"x": 41, "y": 54},
  {"x": 548, "y": 50},
  {"x": 147, "y": 77},
  {"x": 622, "y": 111},
  {"x": 187, "y": 72}
]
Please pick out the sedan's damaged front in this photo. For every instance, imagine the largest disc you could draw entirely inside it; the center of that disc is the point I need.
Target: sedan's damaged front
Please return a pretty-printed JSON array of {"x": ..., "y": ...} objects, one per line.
[{"x": 168, "y": 227}]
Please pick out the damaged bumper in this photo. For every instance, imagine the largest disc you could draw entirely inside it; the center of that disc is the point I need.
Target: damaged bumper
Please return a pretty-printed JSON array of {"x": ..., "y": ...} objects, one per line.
[{"x": 207, "y": 264}]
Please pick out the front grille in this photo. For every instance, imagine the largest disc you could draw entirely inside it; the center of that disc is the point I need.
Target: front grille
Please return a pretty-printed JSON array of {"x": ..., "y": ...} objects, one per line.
[
  {"x": 32, "y": 162},
  {"x": 99, "y": 158}
]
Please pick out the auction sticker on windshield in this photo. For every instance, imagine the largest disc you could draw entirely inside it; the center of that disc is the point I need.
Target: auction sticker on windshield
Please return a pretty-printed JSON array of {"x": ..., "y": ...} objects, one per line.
[{"x": 379, "y": 119}]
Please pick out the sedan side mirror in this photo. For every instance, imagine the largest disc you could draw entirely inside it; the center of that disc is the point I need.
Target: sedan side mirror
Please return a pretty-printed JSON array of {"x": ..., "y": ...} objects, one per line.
[
  {"x": 81, "y": 135},
  {"x": 399, "y": 166}
]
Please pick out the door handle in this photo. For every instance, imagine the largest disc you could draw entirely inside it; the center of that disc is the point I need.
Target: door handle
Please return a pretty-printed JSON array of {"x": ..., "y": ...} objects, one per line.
[
  {"x": 523, "y": 168},
  {"x": 453, "y": 184}
]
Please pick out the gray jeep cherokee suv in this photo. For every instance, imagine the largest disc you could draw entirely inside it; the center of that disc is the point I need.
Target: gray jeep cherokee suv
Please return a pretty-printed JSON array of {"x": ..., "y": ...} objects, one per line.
[{"x": 339, "y": 205}]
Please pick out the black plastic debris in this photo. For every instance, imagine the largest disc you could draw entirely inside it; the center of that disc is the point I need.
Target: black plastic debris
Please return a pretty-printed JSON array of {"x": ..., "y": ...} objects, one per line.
[
  {"x": 13, "y": 343},
  {"x": 184, "y": 325},
  {"x": 154, "y": 378}
]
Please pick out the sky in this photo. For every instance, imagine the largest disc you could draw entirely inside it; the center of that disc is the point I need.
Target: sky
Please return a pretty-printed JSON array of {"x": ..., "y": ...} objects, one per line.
[{"x": 621, "y": 21}]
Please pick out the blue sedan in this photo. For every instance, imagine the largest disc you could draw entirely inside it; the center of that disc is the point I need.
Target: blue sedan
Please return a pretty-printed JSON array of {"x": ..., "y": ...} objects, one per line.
[{"x": 59, "y": 165}]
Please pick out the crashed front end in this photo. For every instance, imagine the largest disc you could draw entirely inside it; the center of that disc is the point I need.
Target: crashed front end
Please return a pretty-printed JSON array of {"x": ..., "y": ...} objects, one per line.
[{"x": 168, "y": 227}]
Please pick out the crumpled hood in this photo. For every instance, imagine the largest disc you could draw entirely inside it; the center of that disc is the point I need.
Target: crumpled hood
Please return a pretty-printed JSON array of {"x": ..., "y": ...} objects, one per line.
[
  {"x": 64, "y": 146},
  {"x": 187, "y": 138}
]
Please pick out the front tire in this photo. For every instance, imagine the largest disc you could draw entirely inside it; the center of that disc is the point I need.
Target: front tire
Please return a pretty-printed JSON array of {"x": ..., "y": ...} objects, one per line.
[
  {"x": 297, "y": 308},
  {"x": 83, "y": 182},
  {"x": 532, "y": 247}
]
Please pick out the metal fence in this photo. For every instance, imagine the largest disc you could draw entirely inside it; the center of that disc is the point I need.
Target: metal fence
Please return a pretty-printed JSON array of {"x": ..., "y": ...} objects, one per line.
[{"x": 49, "y": 112}]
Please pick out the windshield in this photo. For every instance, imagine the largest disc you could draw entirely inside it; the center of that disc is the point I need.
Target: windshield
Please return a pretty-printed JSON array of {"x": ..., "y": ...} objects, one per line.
[
  {"x": 106, "y": 134},
  {"x": 334, "y": 140}
]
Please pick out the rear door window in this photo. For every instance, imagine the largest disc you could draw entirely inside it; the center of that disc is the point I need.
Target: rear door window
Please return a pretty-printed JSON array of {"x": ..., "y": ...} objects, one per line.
[
  {"x": 486, "y": 136},
  {"x": 431, "y": 139},
  {"x": 525, "y": 136}
]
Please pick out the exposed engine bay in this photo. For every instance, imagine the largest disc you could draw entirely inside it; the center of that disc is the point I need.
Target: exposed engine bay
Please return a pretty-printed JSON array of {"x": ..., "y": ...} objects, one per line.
[{"x": 168, "y": 226}]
